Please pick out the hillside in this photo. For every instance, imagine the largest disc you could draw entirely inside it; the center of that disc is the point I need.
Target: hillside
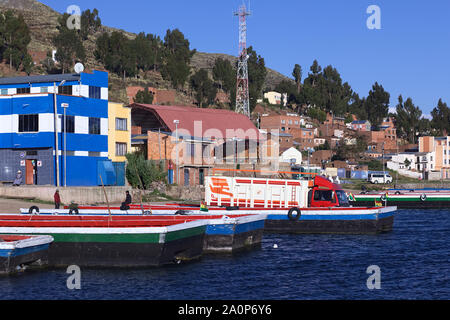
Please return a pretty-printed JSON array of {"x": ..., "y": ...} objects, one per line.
[{"x": 43, "y": 20}]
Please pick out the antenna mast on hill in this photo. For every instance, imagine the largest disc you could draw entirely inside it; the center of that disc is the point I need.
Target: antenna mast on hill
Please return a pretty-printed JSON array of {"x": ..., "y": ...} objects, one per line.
[{"x": 242, "y": 92}]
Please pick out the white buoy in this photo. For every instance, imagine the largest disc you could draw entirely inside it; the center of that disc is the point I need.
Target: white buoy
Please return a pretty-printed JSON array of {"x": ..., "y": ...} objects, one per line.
[{"x": 275, "y": 246}]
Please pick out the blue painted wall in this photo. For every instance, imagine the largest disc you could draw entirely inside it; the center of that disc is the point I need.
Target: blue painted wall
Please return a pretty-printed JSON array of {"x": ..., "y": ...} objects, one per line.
[{"x": 81, "y": 170}]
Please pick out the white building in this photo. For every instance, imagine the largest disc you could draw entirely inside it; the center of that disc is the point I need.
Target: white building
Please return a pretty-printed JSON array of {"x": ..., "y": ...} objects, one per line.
[
  {"x": 399, "y": 161},
  {"x": 413, "y": 164},
  {"x": 276, "y": 98},
  {"x": 291, "y": 155}
]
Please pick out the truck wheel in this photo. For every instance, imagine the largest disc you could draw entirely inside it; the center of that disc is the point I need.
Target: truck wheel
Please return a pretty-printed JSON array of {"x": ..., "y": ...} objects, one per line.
[{"x": 294, "y": 214}]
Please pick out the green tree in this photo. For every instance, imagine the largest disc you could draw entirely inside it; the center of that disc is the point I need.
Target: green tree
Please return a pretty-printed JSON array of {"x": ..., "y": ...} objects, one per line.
[
  {"x": 27, "y": 64},
  {"x": 356, "y": 107},
  {"x": 141, "y": 173},
  {"x": 14, "y": 39},
  {"x": 257, "y": 73},
  {"x": 288, "y": 87},
  {"x": 144, "y": 96},
  {"x": 316, "y": 113},
  {"x": 376, "y": 104},
  {"x": 178, "y": 55},
  {"x": 116, "y": 52},
  {"x": 205, "y": 92},
  {"x": 297, "y": 74},
  {"x": 90, "y": 23},
  {"x": 224, "y": 73},
  {"x": 408, "y": 119},
  {"x": 69, "y": 45},
  {"x": 324, "y": 89},
  {"x": 441, "y": 118}
]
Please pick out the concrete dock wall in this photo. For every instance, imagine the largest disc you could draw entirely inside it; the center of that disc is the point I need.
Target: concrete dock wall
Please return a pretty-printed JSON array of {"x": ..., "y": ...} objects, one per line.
[{"x": 80, "y": 195}]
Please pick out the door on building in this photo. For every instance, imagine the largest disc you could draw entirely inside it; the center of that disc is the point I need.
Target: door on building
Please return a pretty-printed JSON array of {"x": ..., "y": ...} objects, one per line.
[
  {"x": 30, "y": 172},
  {"x": 186, "y": 177},
  {"x": 201, "y": 177}
]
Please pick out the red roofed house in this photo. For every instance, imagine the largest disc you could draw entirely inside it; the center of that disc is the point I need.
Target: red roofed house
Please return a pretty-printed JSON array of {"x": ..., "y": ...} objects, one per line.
[{"x": 206, "y": 137}]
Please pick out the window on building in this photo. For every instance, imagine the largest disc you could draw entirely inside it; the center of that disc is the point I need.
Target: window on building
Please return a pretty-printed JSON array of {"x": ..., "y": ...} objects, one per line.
[
  {"x": 94, "y": 92},
  {"x": 70, "y": 124},
  {"x": 44, "y": 89},
  {"x": 121, "y": 124},
  {"x": 121, "y": 149},
  {"x": 190, "y": 149},
  {"x": 28, "y": 123},
  {"x": 23, "y": 90},
  {"x": 283, "y": 122},
  {"x": 94, "y": 125},
  {"x": 290, "y": 121},
  {"x": 65, "y": 90},
  {"x": 4, "y": 92}
]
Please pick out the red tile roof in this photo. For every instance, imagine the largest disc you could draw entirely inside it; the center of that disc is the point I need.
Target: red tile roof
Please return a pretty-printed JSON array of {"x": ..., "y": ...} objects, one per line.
[{"x": 207, "y": 123}]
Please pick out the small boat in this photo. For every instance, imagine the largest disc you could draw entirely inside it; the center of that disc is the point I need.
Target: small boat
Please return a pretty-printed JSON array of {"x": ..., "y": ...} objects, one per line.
[
  {"x": 19, "y": 251},
  {"x": 405, "y": 199},
  {"x": 96, "y": 241}
]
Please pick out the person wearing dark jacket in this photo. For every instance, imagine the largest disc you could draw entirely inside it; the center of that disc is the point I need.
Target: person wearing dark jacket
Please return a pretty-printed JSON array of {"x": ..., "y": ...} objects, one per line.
[{"x": 126, "y": 204}]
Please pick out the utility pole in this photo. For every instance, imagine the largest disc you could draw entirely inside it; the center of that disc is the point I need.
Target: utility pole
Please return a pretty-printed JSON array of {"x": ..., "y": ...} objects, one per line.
[
  {"x": 65, "y": 106},
  {"x": 384, "y": 171},
  {"x": 55, "y": 116},
  {"x": 242, "y": 91},
  {"x": 176, "y": 122}
]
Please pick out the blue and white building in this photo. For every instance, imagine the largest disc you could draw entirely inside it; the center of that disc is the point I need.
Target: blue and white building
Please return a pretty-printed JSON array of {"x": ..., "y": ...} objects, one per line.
[{"x": 28, "y": 135}]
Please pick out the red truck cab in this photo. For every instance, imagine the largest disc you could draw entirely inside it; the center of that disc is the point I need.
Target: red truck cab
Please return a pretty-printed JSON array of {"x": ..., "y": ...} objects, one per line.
[{"x": 325, "y": 193}]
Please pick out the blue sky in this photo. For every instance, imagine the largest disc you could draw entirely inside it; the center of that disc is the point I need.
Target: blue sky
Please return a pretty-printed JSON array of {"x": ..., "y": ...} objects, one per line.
[{"x": 408, "y": 56}]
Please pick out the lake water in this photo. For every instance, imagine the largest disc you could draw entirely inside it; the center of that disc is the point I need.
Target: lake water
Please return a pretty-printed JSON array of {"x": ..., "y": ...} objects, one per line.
[{"x": 413, "y": 260}]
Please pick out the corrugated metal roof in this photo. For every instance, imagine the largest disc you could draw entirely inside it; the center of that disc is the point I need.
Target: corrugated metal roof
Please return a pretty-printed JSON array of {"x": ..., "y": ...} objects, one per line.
[
  {"x": 41, "y": 79},
  {"x": 212, "y": 123}
]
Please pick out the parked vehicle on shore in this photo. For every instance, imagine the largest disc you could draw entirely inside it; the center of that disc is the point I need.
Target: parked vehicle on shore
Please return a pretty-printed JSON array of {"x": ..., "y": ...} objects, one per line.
[{"x": 377, "y": 178}]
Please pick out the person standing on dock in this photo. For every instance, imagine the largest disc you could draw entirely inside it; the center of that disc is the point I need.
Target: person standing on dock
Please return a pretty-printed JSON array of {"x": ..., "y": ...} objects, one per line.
[{"x": 57, "y": 199}]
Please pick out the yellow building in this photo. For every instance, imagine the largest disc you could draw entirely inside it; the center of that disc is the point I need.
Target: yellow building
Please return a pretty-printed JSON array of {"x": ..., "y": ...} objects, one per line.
[{"x": 119, "y": 132}]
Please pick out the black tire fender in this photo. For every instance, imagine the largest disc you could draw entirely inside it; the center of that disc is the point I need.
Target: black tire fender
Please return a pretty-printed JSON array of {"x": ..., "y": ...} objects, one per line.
[
  {"x": 292, "y": 216},
  {"x": 74, "y": 211},
  {"x": 33, "y": 210},
  {"x": 423, "y": 197}
]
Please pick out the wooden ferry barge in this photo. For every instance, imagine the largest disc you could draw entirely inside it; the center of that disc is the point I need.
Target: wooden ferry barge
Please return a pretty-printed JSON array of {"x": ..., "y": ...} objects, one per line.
[{"x": 112, "y": 241}]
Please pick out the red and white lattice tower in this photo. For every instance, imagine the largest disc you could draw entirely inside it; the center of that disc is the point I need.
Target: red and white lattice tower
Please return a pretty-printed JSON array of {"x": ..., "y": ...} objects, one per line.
[{"x": 242, "y": 93}]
